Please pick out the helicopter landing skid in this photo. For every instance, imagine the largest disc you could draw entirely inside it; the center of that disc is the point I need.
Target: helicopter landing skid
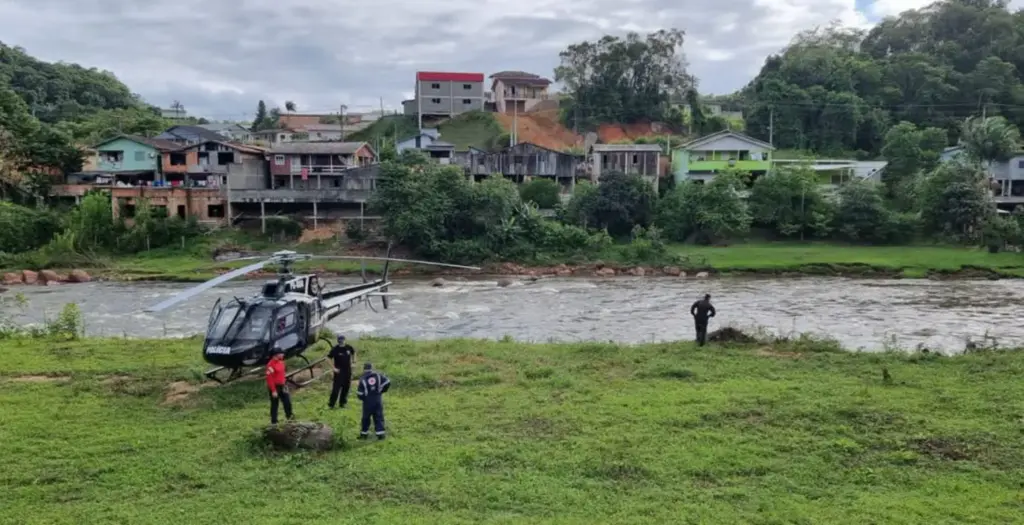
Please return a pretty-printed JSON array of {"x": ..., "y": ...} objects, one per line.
[
  {"x": 236, "y": 373},
  {"x": 313, "y": 376}
]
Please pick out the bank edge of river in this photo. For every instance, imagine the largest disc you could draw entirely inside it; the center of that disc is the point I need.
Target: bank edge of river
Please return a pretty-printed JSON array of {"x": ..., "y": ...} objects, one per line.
[{"x": 592, "y": 270}]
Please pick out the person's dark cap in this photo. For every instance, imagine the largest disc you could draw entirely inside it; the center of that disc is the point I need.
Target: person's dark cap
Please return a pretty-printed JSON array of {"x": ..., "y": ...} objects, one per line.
[
  {"x": 341, "y": 338},
  {"x": 707, "y": 296},
  {"x": 367, "y": 366},
  {"x": 277, "y": 351}
]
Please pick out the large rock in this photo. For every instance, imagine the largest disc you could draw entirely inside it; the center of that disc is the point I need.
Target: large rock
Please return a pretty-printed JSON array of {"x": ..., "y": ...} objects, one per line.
[
  {"x": 638, "y": 271},
  {"x": 605, "y": 272},
  {"x": 49, "y": 276},
  {"x": 12, "y": 278},
  {"x": 78, "y": 276},
  {"x": 29, "y": 277},
  {"x": 292, "y": 435},
  {"x": 702, "y": 275},
  {"x": 437, "y": 283},
  {"x": 505, "y": 282},
  {"x": 673, "y": 271}
]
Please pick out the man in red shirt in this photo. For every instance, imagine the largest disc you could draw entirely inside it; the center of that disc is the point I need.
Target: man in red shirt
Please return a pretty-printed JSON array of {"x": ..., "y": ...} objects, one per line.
[{"x": 277, "y": 387}]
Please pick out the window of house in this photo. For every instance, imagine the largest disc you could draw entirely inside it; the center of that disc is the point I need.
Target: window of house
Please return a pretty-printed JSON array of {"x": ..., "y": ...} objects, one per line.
[
  {"x": 467, "y": 101},
  {"x": 215, "y": 211},
  {"x": 467, "y": 87},
  {"x": 225, "y": 157},
  {"x": 636, "y": 158},
  {"x": 279, "y": 160},
  {"x": 435, "y": 100},
  {"x": 1020, "y": 164},
  {"x": 435, "y": 86},
  {"x": 140, "y": 156},
  {"x": 177, "y": 159}
]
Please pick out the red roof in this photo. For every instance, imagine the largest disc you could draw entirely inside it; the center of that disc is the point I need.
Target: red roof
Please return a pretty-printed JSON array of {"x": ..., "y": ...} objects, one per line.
[{"x": 437, "y": 76}]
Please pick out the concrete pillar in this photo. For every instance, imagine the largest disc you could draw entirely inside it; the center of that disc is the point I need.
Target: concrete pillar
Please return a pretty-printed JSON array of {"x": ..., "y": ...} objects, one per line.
[{"x": 263, "y": 215}]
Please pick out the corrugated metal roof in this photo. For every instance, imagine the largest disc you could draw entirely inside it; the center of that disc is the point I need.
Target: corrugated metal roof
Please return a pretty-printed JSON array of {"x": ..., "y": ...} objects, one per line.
[
  {"x": 321, "y": 127},
  {"x": 317, "y": 148},
  {"x": 158, "y": 144}
]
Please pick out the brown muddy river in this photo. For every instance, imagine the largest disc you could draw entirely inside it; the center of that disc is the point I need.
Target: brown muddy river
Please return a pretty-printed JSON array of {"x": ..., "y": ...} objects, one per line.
[{"x": 862, "y": 314}]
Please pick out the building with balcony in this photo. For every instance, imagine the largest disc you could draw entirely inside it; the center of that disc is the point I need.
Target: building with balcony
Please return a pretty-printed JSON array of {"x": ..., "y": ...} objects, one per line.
[
  {"x": 316, "y": 165},
  {"x": 643, "y": 160},
  {"x": 188, "y": 135},
  {"x": 702, "y": 158},
  {"x": 519, "y": 91},
  {"x": 523, "y": 162},
  {"x": 445, "y": 94}
]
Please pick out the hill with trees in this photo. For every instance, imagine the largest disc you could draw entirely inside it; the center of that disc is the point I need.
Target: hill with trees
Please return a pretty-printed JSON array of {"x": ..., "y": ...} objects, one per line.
[{"x": 840, "y": 89}]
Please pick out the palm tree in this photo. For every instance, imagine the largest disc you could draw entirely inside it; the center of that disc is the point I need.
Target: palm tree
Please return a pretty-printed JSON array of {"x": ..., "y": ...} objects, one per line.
[
  {"x": 989, "y": 139},
  {"x": 289, "y": 106}
]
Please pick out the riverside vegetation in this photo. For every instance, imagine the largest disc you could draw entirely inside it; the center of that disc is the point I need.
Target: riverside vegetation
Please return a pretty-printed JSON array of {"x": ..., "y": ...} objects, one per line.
[{"x": 769, "y": 432}]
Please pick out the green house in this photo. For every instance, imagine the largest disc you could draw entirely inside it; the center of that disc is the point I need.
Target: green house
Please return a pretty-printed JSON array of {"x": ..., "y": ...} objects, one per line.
[
  {"x": 131, "y": 155},
  {"x": 700, "y": 159}
]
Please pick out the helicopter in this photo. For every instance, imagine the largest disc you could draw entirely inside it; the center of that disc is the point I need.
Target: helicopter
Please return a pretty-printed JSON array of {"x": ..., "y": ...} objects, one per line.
[{"x": 287, "y": 315}]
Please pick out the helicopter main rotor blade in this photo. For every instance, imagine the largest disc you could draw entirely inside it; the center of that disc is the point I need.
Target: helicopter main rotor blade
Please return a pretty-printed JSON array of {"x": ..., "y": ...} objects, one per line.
[
  {"x": 207, "y": 285},
  {"x": 393, "y": 259}
]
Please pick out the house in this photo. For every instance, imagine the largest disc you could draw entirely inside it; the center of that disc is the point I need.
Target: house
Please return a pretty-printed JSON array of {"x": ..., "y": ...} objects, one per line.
[
  {"x": 1006, "y": 177},
  {"x": 127, "y": 159},
  {"x": 297, "y": 121},
  {"x": 524, "y": 161},
  {"x": 186, "y": 135},
  {"x": 429, "y": 142},
  {"x": 321, "y": 132},
  {"x": 230, "y": 130},
  {"x": 518, "y": 91},
  {"x": 131, "y": 168},
  {"x": 307, "y": 165},
  {"x": 446, "y": 94},
  {"x": 632, "y": 159},
  {"x": 700, "y": 159},
  {"x": 273, "y": 136},
  {"x": 216, "y": 164}
]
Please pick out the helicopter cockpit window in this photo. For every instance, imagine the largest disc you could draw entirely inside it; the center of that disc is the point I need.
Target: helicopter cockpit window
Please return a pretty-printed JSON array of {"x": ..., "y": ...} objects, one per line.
[
  {"x": 285, "y": 319},
  {"x": 256, "y": 323},
  {"x": 223, "y": 322}
]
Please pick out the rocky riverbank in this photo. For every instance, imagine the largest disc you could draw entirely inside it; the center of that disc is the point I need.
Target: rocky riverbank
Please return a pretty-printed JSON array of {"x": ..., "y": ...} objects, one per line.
[{"x": 46, "y": 277}]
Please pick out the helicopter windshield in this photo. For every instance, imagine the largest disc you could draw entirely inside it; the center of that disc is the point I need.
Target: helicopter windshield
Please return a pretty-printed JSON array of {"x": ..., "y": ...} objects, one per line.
[{"x": 250, "y": 325}]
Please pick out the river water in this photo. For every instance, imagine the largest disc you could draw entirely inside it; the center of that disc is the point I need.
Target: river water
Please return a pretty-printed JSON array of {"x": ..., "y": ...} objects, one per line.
[{"x": 863, "y": 314}]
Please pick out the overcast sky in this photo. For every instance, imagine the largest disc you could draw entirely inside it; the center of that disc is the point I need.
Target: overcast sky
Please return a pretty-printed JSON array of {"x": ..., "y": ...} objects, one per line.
[{"x": 219, "y": 57}]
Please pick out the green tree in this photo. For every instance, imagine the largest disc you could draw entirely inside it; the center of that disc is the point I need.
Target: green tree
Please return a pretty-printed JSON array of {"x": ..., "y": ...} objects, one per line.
[
  {"x": 990, "y": 139},
  {"x": 542, "y": 192},
  {"x": 909, "y": 151},
  {"x": 620, "y": 203},
  {"x": 623, "y": 79},
  {"x": 705, "y": 213},
  {"x": 861, "y": 216},
  {"x": 259, "y": 122},
  {"x": 956, "y": 201},
  {"x": 790, "y": 201}
]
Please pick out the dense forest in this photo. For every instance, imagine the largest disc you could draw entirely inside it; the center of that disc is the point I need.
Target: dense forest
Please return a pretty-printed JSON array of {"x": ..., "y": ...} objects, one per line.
[{"x": 839, "y": 89}]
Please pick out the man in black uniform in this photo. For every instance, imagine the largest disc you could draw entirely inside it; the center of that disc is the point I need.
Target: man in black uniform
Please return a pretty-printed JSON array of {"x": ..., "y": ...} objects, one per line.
[
  {"x": 371, "y": 385},
  {"x": 341, "y": 356},
  {"x": 700, "y": 312}
]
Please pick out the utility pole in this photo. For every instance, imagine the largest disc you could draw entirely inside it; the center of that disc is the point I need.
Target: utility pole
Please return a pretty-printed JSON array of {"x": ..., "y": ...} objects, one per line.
[
  {"x": 771, "y": 126},
  {"x": 512, "y": 139},
  {"x": 341, "y": 120}
]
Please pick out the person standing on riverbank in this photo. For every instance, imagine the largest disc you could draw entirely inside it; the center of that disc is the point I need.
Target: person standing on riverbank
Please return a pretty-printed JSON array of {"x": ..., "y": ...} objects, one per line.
[
  {"x": 278, "y": 390},
  {"x": 701, "y": 311},
  {"x": 341, "y": 357}
]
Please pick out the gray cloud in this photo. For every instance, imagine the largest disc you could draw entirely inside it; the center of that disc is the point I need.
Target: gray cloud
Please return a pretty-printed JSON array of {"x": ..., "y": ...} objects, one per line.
[{"x": 218, "y": 57}]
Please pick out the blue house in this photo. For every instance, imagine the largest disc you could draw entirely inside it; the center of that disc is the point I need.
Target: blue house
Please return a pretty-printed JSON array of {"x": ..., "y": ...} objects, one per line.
[
  {"x": 428, "y": 141},
  {"x": 131, "y": 159}
]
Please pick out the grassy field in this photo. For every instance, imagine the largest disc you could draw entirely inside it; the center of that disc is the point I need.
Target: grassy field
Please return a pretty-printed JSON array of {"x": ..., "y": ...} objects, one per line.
[
  {"x": 908, "y": 261},
  {"x": 501, "y": 432}
]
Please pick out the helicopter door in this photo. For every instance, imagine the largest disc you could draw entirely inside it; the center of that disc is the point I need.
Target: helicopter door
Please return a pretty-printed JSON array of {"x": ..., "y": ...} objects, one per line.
[{"x": 286, "y": 333}]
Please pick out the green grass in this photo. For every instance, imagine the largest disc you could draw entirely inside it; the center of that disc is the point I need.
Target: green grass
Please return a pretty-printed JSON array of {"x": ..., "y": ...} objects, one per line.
[
  {"x": 402, "y": 126},
  {"x": 910, "y": 261},
  {"x": 502, "y": 432},
  {"x": 475, "y": 128}
]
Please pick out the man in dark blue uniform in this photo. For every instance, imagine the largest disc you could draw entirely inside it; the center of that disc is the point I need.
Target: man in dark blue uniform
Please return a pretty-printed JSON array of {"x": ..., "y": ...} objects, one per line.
[
  {"x": 372, "y": 384},
  {"x": 701, "y": 311},
  {"x": 341, "y": 356}
]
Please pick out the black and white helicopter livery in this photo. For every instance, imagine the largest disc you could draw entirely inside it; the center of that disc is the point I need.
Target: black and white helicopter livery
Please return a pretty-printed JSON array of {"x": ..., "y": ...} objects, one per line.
[{"x": 242, "y": 334}]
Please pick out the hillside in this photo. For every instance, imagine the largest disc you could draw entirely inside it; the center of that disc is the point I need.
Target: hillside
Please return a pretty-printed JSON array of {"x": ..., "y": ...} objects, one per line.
[
  {"x": 119, "y": 431},
  {"x": 59, "y": 91},
  {"x": 390, "y": 126},
  {"x": 841, "y": 89},
  {"x": 545, "y": 129}
]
